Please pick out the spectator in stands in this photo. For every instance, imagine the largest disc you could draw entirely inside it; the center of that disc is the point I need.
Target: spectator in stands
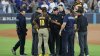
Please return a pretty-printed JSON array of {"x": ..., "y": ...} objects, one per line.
[
  {"x": 24, "y": 5},
  {"x": 18, "y": 4},
  {"x": 99, "y": 6},
  {"x": 60, "y": 3},
  {"x": 92, "y": 5},
  {"x": 51, "y": 6},
  {"x": 70, "y": 2},
  {"x": 85, "y": 6},
  {"x": 6, "y": 6},
  {"x": 45, "y": 5},
  {"x": 1, "y": 8},
  {"x": 55, "y": 1},
  {"x": 30, "y": 7}
]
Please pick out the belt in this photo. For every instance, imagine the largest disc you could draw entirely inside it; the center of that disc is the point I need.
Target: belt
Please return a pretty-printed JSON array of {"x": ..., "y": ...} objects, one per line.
[{"x": 42, "y": 28}]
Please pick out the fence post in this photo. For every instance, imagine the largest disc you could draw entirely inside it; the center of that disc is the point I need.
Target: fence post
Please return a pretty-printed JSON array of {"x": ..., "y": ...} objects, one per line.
[{"x": 94, "y": 18}]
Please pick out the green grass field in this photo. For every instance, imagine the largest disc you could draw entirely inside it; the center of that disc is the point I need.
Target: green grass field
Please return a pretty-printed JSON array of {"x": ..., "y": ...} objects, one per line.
[{"x": 6, "y": 44}]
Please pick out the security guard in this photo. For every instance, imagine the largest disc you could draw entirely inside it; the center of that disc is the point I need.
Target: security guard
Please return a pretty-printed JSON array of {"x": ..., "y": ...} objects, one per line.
[
  {"x": 62, "y": 13},
  {"x": 67, "y": 32},
  {"x": 35, "y": 31},
  {"x": 82, "y": 24},
  {"x": 56, "y": 20},
  {"x": 21, "y": 31},
  {"x": 43, "y": 33}
]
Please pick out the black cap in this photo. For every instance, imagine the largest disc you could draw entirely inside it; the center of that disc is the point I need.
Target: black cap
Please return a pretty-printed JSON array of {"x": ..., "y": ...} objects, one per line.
[
  {"x": 60, "y": 5},
  {"x": 44, "y": 9},
  {"x": 70, "y": 9},
  {"x": 55, "y": 9},
  {"x": 80, "y": 10},
  {"x": 21, "y": 10}
]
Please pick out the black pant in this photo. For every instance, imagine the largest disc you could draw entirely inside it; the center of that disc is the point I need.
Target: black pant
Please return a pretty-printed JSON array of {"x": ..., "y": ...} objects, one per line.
[
  {"x": 82, "y": 36},
  {"x": 35, "y": 43},
  {"x": 54, "y": 38},
  {"x": 21, "y": 42},
  {"x": 68, "y": 43}
]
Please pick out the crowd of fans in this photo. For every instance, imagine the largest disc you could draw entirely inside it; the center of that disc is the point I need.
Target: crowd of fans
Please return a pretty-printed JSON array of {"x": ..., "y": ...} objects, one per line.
[{"x": 13, "y": 6}]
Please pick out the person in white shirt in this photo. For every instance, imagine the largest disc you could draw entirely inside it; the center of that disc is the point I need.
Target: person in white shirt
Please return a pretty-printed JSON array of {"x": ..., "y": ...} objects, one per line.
[
  {"x": 45, "y": 5},
  {"x": 99, "y": 6},
  {"x": 6, "y": 6},
  {"x": 61, "y": 3},
  {"x": 85, "y": 6},
  {"x": 51, "y": 6}
]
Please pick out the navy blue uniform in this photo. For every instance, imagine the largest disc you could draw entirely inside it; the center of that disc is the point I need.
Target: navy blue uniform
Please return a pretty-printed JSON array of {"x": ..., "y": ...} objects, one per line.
[
  {"x": 54, "y": 34},
  {"x": 21, "y": 31},
  {"x": 62, "y": 13},
  {"x": 68, "y": 36}
]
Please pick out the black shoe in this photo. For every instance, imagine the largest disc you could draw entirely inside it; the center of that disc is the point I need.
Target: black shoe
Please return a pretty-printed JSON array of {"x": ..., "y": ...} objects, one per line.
[
  {"x": 81, "y": 55},
  {"x": 57, "y": 54},
  {"x": 13, "y": 52},
  {"x": 35, "y": 55},
  {"x": 24, "y": 54},
  {"x": 52, "y": 54}
]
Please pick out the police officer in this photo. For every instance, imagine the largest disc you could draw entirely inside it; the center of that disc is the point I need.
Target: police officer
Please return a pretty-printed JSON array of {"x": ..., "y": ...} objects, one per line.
[
  {"x": 67, "y": 32},
  {"x": 62, "y": 13},
  {"x": 43, "y": 33},
  {"x": 54, "y": 30},
  {"x": 82, "y": 24},
  {"x": 21, "y": 31},
  {"x": 34, "y": 31}
]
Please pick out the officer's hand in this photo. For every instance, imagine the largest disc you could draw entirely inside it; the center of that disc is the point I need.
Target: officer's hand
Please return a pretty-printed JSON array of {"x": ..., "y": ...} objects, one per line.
[
  {"x": 52, "y": 21},
  {"x": 60, "y": 33},
  {"x": 37, "y": 30}
]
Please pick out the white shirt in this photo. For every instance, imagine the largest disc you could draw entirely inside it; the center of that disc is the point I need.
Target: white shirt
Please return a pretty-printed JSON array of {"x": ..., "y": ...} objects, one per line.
[
  {"x": 5, "y": 2},
  {"x": 99, "y": 4},
  {"x": 51, "y": 6},
  {"x": 61, "y": 3},
  {"x": 85, "y": 6},
  {"x": 45, "y": 5}
]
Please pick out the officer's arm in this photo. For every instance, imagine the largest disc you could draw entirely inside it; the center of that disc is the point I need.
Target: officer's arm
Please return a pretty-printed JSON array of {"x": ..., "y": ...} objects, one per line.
[
  {"x": 63, "y": 26},
  {"x": 32, "y": 17},
  {"x": 57, "y": 23}
]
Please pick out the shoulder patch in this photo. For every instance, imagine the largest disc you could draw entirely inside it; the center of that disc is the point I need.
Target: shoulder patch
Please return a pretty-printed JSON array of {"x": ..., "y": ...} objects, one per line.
[{"x": 70, "y": 17}]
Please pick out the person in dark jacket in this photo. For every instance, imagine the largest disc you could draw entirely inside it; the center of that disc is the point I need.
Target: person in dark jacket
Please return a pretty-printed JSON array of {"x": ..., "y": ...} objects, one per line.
[
  {"x": 35, "y": 31},
  {"x": 21, "y": 32},
  {"x": 82, "y": 24},
  {"x": 55, "y": 25},
  {"x": 62, "y": 13}
]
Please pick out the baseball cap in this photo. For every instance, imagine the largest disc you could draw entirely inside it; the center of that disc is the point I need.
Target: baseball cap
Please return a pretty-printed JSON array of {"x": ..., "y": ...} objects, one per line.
[
  {"x": 21, "y": 10},
  {"x": 55, "y": 9},
  {"x": 80, "y": 10}
]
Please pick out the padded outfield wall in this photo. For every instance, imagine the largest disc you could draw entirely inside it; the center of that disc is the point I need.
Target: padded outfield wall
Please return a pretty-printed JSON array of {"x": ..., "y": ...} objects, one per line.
[{"x": 93, "y": 18}]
